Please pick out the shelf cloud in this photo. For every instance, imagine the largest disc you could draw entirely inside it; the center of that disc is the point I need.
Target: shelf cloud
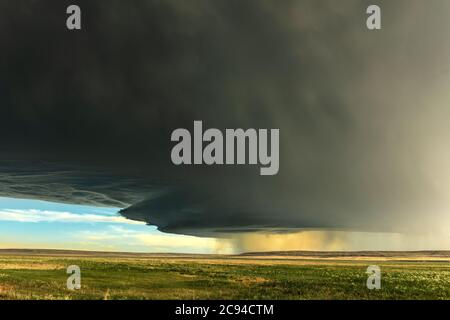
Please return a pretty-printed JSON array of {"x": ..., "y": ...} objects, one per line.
[{"x": 86, "y": 116}]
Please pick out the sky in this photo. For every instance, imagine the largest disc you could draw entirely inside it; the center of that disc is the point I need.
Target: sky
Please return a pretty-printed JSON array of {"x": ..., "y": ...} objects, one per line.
[
  {"x": 86, "y": 118},
  {"x": 37, "y": 224},
  {"x": 46, "y": 225}
]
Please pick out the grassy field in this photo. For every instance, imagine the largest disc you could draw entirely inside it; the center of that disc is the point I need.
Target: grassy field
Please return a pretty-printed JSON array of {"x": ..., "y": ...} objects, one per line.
[{"x": 38, "y": 275}]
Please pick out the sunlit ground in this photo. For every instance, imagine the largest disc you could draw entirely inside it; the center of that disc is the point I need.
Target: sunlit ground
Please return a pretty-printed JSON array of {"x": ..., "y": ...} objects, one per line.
[{"x": 34, "y": 276}]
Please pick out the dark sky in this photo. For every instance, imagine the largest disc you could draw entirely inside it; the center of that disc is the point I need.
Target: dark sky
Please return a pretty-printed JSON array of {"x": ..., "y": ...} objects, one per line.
[{"x": 86, "y": 116}]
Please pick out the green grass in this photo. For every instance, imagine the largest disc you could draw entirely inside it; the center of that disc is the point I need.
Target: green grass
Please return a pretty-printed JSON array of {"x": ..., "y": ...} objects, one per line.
[{"x": 34, "y": 277}]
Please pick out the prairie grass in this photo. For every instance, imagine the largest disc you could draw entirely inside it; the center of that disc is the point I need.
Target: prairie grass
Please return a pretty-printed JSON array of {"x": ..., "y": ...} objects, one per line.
[{"x": 44, "y": 277}]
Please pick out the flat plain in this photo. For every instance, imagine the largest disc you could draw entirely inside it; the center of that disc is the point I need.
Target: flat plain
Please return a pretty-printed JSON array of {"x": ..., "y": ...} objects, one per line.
[{"x": 41, "y": 274}]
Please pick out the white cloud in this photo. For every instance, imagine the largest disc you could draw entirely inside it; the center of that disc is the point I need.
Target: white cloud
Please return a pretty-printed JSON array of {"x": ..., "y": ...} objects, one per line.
[
  {"x": 155, "y": 242},
  {"x": 33, "y": 215}
]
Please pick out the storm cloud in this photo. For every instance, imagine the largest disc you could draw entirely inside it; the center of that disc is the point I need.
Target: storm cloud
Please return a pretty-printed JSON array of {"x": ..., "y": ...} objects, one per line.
[{"x": 86, "y": 116}]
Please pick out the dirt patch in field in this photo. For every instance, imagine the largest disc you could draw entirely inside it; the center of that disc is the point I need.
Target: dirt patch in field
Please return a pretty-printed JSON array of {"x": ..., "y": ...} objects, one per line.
[
  {"x": 6, "y": 291},
  {"x": 30, "y": 266},
  {"x": 5, "y": 288},
  {"x": 187, "y": 275}
]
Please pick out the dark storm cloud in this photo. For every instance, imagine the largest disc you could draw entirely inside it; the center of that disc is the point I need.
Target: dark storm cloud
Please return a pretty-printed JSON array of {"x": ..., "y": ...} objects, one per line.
[{"x": 361, "y": 114}]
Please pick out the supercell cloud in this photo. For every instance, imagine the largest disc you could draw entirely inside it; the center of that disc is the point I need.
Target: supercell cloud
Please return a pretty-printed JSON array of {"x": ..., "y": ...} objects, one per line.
[{"x": 86, "y": 117}]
